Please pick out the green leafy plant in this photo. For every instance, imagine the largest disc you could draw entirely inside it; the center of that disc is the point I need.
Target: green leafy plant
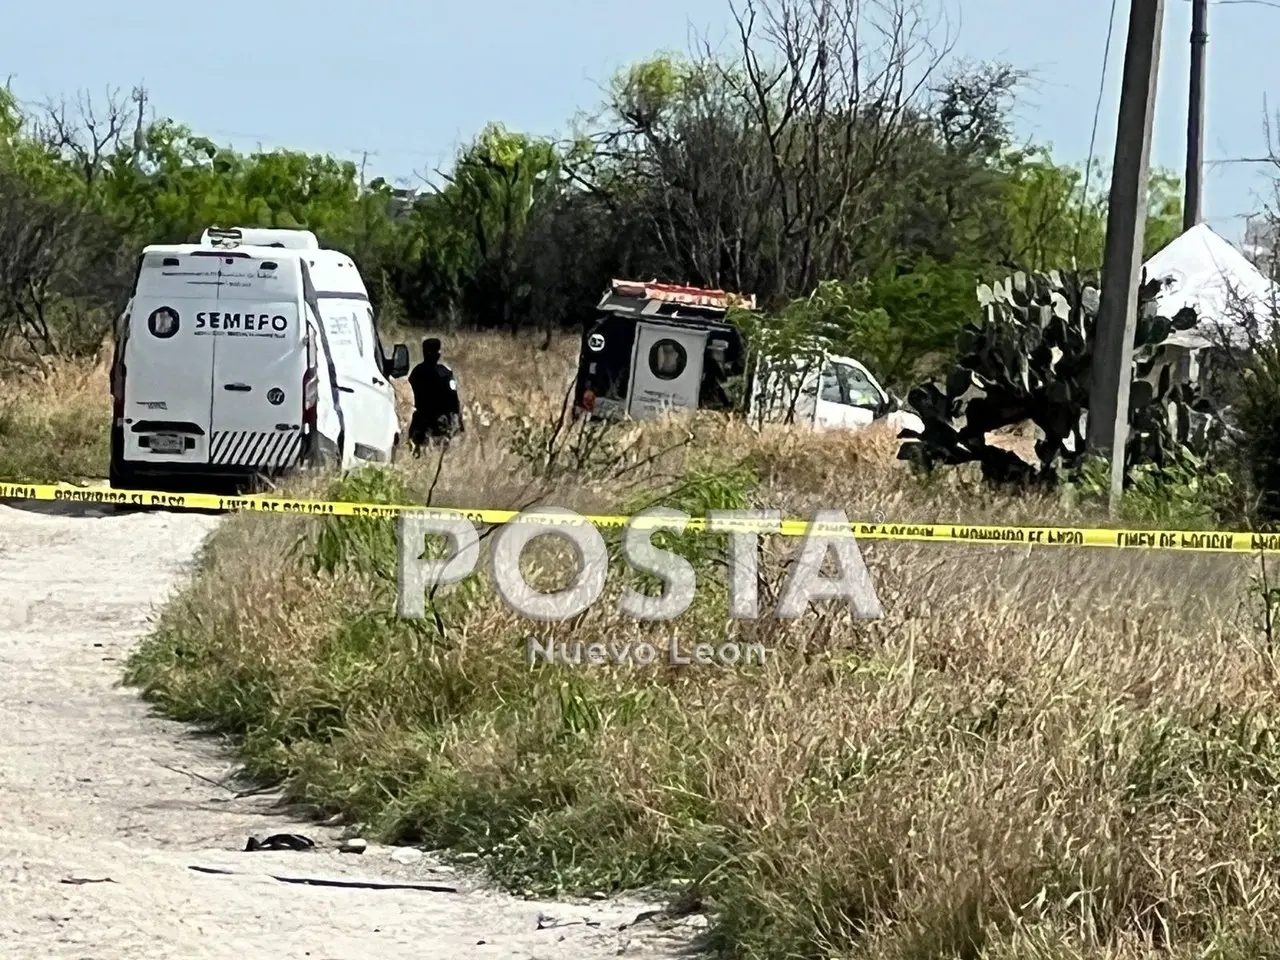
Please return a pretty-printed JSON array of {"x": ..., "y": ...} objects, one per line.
[
  {"x": 1029, "y": 360},
  {"x": 364, "y": 544},
  {"x": 1185, "y": 493}
]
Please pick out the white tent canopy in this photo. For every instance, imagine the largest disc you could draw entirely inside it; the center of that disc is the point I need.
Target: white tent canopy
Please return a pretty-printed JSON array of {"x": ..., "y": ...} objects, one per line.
[{"x": 1202, "y": 270}]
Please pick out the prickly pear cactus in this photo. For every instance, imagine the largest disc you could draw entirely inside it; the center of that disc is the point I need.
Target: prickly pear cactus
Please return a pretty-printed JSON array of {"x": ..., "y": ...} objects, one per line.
[{"x": 1029, "y": 360}]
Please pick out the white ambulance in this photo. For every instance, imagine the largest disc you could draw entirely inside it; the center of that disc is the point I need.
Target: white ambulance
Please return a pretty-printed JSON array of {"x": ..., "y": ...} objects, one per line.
[{"x": 224, "y": 368}]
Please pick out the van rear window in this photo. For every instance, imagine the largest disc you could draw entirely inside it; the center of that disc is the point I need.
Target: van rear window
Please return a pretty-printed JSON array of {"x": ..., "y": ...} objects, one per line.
[
  {"x": 260, "y": 279},
  {"x": 342, "y": 324},
  {"x": 166, "y": 275}
]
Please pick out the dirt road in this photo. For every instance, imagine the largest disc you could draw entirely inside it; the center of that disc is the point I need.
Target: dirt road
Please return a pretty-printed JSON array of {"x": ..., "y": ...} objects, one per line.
[{"x": 92, "y": 788}]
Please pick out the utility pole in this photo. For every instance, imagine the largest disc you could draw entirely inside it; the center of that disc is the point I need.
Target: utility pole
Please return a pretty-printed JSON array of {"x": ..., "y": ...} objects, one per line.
[
  {"x": 1191, "y": 206},
  {"x": 1112, "y": 368}
]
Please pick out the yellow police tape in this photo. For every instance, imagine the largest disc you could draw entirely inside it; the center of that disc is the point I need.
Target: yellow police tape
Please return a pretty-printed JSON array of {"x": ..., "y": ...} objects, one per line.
[{"x": 1201, "y": 541}]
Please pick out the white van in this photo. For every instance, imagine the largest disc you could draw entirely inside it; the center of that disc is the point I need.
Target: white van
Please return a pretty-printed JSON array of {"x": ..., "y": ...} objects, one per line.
[
  {"x": 352, "y": 330},
  {"x": 224, "y": 369},
  {"x": 658, "y": 348}
]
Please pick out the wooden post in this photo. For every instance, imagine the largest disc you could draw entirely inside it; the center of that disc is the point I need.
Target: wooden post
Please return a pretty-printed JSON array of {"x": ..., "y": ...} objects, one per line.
[
  {"x": 1112, "y": 369},
  {"x": 1192, "y": 204}
]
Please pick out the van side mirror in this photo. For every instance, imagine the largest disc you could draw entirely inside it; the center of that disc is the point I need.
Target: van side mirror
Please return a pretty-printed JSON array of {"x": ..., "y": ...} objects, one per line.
[{"x": 399, "y": 361}]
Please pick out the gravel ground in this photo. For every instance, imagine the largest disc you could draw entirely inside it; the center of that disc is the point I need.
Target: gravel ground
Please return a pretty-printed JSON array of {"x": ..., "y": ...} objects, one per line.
[{"x": 108, "y": 809}]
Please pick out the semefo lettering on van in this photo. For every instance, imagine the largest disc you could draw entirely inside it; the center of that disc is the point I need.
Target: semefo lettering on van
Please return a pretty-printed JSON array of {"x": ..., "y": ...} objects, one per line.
[{"x": 217, "y": 324}]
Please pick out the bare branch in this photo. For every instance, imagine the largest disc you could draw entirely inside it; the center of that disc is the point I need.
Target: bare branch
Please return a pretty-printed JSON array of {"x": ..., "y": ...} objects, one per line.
[
  {"x": 59, "y": 263},
  {"x": 85, "y": 133}
]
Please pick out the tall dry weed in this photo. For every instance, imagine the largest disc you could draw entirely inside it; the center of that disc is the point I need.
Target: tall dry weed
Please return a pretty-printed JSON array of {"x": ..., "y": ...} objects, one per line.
[{"x": 55, "y": 423}]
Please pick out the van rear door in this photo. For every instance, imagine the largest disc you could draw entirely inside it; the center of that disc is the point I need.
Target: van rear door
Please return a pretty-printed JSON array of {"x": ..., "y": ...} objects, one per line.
[
  {"x": 259, "y": 361},
  {"x": 166, "y": 366}
]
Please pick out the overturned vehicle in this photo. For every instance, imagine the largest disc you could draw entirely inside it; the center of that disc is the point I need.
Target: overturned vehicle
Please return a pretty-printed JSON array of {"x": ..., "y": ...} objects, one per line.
[{"x": 656, "y": 349}]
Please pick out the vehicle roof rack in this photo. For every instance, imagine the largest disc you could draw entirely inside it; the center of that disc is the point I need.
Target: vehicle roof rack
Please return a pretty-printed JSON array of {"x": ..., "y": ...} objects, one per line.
[
  {"x": 671, "y": 301},
  {"x": 279, "y": 239},
  {"x": 219, "y": 237}
]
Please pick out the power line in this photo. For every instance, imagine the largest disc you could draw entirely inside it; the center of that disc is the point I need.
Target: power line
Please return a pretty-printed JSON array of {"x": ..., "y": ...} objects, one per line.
[
  {"x": 1093, "y": 136},
  {"x": 1226, "y": 160},
  {"x": 1257, "y": 3},
  {"x": 258, "y": 138}
]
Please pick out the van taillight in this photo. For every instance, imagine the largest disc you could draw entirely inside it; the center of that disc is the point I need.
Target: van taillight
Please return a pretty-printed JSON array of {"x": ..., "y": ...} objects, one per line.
[
  {"x": 117, "y": 392},
  {"x": 310, "y": 397},
  {"x": 118, "y": 370}
]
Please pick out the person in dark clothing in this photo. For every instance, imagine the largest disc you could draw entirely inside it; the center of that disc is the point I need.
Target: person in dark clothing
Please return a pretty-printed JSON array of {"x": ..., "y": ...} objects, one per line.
[
  {"x": 712, "y": 394},
  {"x": 437, "y": 408}
]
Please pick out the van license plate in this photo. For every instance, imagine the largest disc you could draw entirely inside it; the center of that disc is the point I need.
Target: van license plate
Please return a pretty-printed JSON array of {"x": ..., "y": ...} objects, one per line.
[{"x": 167, "y": 443}]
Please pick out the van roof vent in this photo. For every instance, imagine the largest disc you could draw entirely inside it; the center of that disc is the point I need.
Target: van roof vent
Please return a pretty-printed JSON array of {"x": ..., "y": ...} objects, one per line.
[
  {"x": 261, "y": 237},
  {"x": 217, "y": 237}
]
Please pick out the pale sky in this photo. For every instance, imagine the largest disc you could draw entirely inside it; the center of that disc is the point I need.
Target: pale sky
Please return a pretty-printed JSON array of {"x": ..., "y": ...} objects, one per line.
[{"x": 409, "y": 80}]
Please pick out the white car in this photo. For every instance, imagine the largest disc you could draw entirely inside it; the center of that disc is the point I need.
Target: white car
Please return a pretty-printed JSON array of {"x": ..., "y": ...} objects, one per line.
[
  {"x": 238, "y": 361},
  {"x": 837, "y": 394}
]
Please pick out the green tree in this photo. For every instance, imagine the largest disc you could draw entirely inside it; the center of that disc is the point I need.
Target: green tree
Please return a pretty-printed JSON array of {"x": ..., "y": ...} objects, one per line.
[
  {"x": 1057, "y": 221},
  {"x": 772, "y": 170},
  {"x": 750, "y": 172},
  {"x": 62, "y": 269},
  {"x": 478, "y": 226}
]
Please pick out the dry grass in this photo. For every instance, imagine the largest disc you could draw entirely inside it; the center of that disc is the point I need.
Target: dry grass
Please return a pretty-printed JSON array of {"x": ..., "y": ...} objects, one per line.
[
  {"x": 56, "y": 424},
  {"x": 1036, "y": 754},
  {"x": 499, "y": 376}
]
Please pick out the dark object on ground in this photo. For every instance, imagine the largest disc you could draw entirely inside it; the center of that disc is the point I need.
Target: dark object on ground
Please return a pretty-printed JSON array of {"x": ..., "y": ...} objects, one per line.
[
  {"x": 348, "y": 884},
  {"x": 280, "y": 841}
]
